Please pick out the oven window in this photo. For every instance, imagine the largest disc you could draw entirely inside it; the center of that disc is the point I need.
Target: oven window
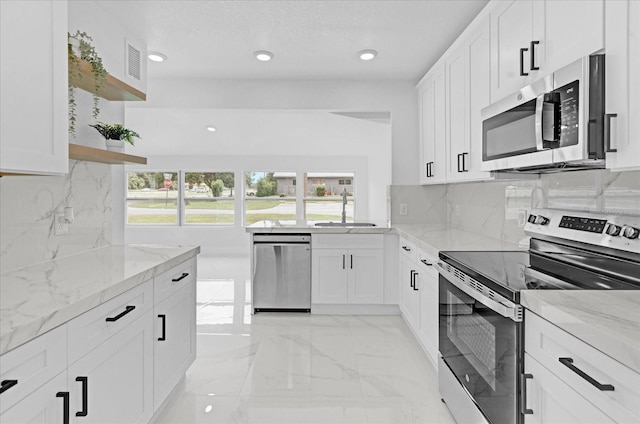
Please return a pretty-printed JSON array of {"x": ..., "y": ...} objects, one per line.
[
  {"x": 474, "y": 336},
  {"x": 510, "y": 133}
]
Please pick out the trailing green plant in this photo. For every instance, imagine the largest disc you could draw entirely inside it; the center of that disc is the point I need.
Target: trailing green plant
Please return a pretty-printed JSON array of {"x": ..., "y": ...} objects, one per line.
[
  {"x": 115, "y": 132},
  {"x": 89, "y": 54}
]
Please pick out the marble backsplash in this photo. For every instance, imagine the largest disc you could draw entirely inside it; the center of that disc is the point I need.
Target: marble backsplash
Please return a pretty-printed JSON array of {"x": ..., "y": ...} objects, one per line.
[
  {"x": 493, "y": 208},
  {"x": 28, "y": 206}
]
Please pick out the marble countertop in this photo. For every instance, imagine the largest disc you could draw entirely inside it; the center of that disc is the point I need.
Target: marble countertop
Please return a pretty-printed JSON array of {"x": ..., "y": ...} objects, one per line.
[
  {"x": 308, "y": 226},
  {"x": 433, "y": 239},
  {"x": 38, "y": 298},
  {"x": 607, "y": 320}
]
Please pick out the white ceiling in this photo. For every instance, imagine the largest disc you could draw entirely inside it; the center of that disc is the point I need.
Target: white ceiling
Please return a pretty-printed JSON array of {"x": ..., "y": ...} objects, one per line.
[{"x": 311, "y": 39}]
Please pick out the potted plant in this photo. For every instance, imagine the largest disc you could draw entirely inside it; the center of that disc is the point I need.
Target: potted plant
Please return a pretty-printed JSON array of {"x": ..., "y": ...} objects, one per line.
[
  {"x": 115, "y": 135},
  {"x": 81, "y": 45}
]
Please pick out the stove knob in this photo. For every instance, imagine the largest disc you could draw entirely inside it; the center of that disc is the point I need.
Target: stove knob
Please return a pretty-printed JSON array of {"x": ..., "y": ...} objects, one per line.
[
  {"x": 630, "y": 232},
  {"x": 613, "y": 229},
  {"x": 541, "y": 220}
]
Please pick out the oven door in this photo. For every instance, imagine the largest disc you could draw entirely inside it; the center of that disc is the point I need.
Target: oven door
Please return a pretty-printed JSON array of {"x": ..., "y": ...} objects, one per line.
[{"x": 482, "y": 349}]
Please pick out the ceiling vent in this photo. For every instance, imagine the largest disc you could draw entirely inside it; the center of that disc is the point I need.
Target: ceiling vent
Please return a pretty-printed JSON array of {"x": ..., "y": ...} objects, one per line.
[{"x": 133, "y": 62}]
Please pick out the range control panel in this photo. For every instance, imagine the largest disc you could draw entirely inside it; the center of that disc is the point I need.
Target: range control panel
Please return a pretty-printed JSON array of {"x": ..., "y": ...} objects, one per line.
[
  {"x": 583, "y": 224},
  {"x": 614, "y": 231}
]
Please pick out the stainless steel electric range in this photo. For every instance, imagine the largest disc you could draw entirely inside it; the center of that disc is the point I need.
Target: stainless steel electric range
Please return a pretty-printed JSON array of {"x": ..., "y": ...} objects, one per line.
[{"x": 481, "y": 320}]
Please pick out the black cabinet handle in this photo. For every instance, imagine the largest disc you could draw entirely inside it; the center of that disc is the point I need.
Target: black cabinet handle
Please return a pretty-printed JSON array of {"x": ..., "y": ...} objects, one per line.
[
  {"x": 607, "y": 132},
  {"x": 522, "y": 72},
  {"x": 568, "y": 362},
  {"x": 351, "y": 261},
  {"x": 7, "y": 384},
  {"x": 429, "y": 173},
  {"x": 459, "y": 157},
  {"x": 406, "y": 248},
  {"x": 415, "y": 274},
  {"x": 85, "y": 396},
  {"x": 411, "y": 280},
  {"x": 533, "y": 55},
  {"x": 121, "y": 314},
  {"x": 523, "y": 384},
  {"x": 424, "y": 261},
  {"x": 65, "y": 406},
  {"x": 163, "y": 317},
  {"x": 183, "y": 276},
  {"x": 343, "y": 263},
  {"x": 464, "y": 162}
]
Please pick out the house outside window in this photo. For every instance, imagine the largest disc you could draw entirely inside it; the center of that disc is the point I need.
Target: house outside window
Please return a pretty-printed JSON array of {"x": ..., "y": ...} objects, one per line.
[{"x": 269, "y": 196}]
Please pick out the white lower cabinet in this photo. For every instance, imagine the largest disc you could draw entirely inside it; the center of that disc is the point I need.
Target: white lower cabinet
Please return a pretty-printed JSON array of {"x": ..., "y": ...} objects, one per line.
[
  {"x": 569, "y": 381},
  {"x": 174, "y": 341},
  {"x": 113, "y": 383},
  {"x": 419, "y": 297},
  {"x": 45, "y": 405},
  {"x": 551, "y": 400},
  {"x": 115, "y": 363},
  {"x": 347, "y": 269}
]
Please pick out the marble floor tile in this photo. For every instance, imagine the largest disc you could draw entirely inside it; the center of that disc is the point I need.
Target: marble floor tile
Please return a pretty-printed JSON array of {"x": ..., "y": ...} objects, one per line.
[{"x": 299, "y": 368}]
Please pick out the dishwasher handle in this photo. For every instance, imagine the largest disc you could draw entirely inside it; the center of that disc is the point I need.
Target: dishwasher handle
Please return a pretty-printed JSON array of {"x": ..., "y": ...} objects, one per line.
[{"x": 281, "y": 238}]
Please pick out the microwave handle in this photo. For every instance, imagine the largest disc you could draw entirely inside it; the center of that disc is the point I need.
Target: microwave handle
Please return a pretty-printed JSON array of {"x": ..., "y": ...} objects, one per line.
[{"x": 539, "y": 123}]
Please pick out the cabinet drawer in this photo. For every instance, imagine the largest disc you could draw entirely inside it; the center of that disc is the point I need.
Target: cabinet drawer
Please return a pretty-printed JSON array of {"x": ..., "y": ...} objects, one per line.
[
  {"x": 547, "y": 344},
  {"x": 32, "y": 365},
  {"x": 408, "y": 249},
  {"x": 100, "y": 323},
  {"x": 347, "y": 241},
  {"x": 427, "y": 260},
  {"x": 167, "y": 283}
]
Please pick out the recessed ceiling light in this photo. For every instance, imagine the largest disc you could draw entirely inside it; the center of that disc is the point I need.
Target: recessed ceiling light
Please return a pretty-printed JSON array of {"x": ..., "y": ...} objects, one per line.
[
  {"x": 263, "y": 55},
  {"x": 211, "y": 128},
  {"x": 367, "y": 54},
  {"x": 156, "y": 56}
]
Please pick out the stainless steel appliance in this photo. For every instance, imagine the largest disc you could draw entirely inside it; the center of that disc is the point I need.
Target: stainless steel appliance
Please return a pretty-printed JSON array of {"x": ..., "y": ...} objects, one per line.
[
  {"x": 481, "y": 320},
  {"x": 554, "y": 124},
  {"x": 281, "y": 277}
]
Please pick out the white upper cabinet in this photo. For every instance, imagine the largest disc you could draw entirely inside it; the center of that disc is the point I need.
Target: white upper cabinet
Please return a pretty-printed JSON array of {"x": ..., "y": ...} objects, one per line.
[
  {"x": 512, "y": 33},
  {"x": 432, "y": 128},
  {"x": 33, "y": 75},
  {"x": 623, "y": 84},
  {"x": 468, "y": 80},
  {"x": 533, "y": 38}
]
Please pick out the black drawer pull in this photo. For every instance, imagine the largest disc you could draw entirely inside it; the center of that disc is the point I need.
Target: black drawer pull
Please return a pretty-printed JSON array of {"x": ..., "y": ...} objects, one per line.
[
  {"x": 406, "y": 249},
  {"x": 163, "y": 317},
  {"x": 85, "y": 396},
  {"x": 183, "y": 276},
  {"x": 424, "y": 261},
  {"x": 415, "y": 274},
  {"x": 121, "y": 314},
  {"x": 65, "y": 406},
  {"x": 411, "y": 280},
  {"x": 568, "y": 362},
  {"x": 7, "y": 384}
]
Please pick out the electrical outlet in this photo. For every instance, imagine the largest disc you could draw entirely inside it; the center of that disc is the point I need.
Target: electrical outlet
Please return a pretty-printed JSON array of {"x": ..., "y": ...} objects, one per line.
[
  {"x": 403, "y": 209},
  {"x": 522, "y": 217},
  {"x": 60, "y": 226}
]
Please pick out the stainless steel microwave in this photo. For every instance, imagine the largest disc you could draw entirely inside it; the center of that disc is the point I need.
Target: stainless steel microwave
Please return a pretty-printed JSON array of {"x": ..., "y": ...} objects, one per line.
[{"x": 554, "y": 124}]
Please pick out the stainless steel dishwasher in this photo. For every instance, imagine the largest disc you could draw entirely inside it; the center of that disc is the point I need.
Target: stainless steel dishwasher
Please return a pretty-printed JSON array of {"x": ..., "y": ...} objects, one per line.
[{"x": 281, "y": 274}]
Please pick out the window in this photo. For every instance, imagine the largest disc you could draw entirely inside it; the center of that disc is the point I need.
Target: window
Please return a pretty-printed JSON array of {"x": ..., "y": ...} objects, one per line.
[
  {"x": 152, "y": 198},
  {"x": 269, "y": 196},
  {"x": 323, "y": 201},
  {"x": 208, "y": 198}
]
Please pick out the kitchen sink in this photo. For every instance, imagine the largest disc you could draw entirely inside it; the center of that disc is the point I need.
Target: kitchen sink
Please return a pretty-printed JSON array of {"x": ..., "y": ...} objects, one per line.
[{"x": 345, "y": 224}]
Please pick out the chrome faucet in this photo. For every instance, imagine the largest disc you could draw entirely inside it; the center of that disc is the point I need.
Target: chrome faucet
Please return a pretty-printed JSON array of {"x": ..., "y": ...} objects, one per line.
[{"x": 344, "y": 206}]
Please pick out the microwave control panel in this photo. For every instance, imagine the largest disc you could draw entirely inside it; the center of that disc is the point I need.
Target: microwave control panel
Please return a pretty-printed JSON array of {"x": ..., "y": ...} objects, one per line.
[{"x": 569, "y": 96}]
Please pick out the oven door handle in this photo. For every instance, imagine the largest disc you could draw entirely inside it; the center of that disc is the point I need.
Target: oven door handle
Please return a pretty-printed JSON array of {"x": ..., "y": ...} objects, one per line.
[{"x": 502, "y": 306}]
